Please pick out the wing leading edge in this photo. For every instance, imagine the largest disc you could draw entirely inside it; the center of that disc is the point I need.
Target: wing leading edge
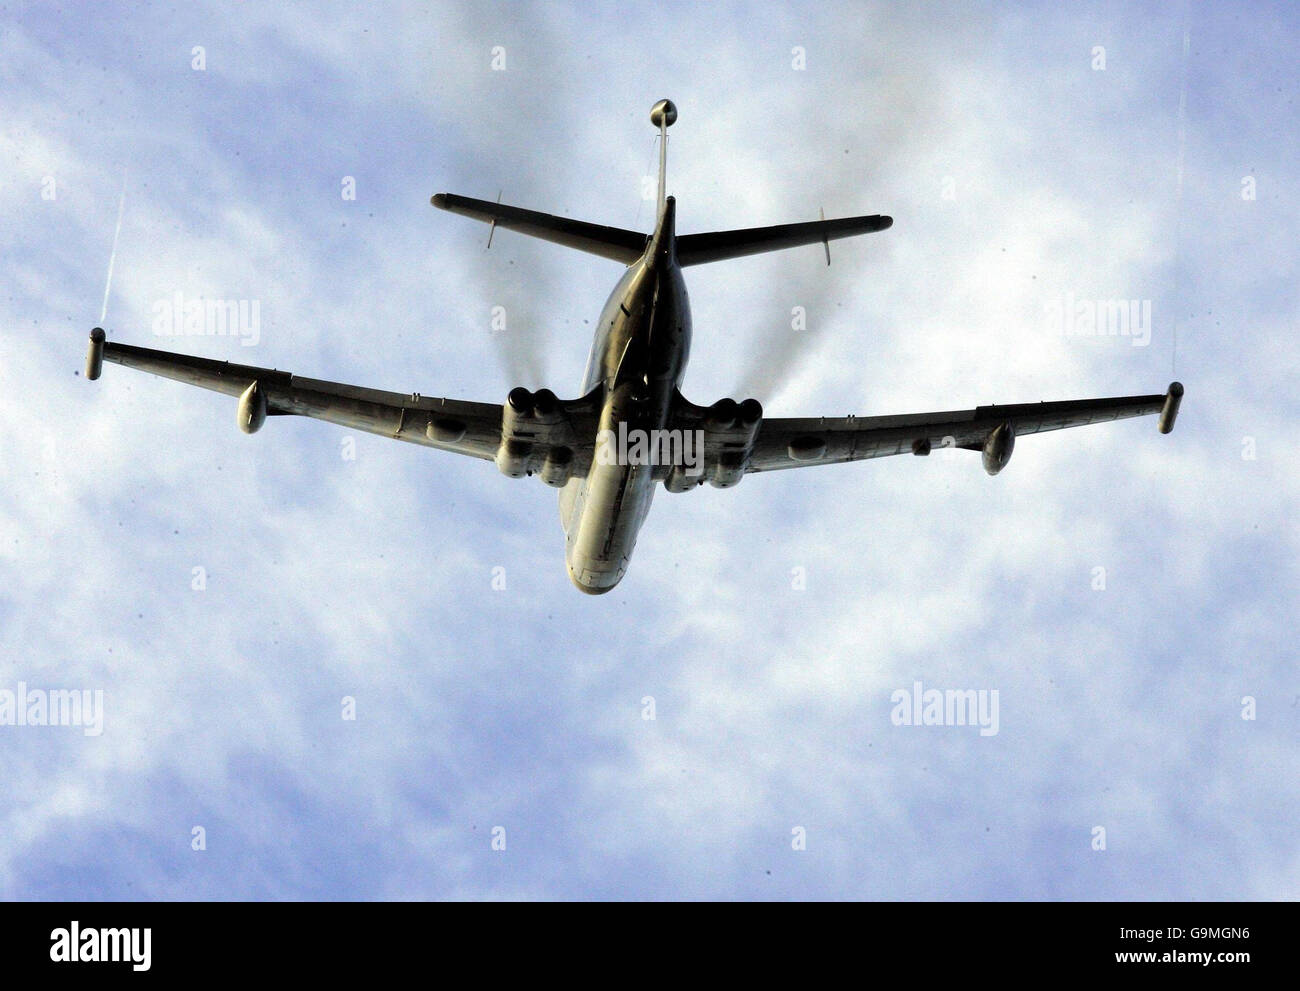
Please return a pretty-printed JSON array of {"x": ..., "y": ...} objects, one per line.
[
  {"x": 799, "y": 442},
  {"x": 448, "y": 424}
]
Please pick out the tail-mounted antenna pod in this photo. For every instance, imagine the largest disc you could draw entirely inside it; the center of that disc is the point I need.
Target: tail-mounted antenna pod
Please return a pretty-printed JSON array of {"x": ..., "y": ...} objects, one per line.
[{"x": 663, "y": 114}]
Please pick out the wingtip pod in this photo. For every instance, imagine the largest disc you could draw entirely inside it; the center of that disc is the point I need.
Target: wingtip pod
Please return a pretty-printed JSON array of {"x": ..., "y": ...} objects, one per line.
[
  {"x": 95, "y": 354},
  {"x": 1173, "y": 399},
  {"x": 439, "y": 200}
]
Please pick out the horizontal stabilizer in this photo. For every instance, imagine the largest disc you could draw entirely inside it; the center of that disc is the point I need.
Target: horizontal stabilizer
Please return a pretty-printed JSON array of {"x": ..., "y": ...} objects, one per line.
[
  {"x": 695, "y": 249},
  {"x": 608, "y": 242}
]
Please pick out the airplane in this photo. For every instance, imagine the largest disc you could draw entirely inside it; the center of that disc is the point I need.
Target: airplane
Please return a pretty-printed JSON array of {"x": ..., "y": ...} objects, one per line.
[{"x": 631, "y": 429}]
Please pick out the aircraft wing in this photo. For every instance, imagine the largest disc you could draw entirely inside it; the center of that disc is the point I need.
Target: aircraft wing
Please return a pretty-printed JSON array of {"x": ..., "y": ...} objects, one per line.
[
  {"x": 796, "y": 443},
  {"x": 447, "y": 424}
]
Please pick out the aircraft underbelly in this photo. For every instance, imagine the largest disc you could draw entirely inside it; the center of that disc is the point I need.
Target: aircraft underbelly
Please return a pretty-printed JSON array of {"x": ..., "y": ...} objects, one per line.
[{"x": 606, "y": 512}]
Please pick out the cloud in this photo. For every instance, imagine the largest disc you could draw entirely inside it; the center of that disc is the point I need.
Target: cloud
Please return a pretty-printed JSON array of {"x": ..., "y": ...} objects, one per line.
[{"x": 328, "y": 578}]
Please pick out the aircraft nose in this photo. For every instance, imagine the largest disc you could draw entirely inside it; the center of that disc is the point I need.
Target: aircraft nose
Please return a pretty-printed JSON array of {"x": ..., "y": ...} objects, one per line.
[
  {"x": 594, "y": 582},
  {"x": 590, "y": 589}
]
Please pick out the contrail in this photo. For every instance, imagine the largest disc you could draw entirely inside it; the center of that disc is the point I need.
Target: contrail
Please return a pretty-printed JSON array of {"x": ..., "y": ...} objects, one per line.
[{"x": 112, "y": 256}]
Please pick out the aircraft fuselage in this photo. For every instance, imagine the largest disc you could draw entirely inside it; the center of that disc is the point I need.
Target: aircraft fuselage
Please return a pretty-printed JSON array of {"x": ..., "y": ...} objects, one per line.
[{"x": 637, "y": 359}]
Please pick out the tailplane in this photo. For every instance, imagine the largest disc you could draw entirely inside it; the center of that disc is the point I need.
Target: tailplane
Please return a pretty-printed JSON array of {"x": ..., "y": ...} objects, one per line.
[
  {"x": 628, "y": 246},
  {"x": 696, "y": 249},
  {"x": 608, "y": 242}
]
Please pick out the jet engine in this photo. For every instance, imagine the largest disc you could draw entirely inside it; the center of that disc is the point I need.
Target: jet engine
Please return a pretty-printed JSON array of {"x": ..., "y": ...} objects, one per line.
[
  {"x": 535, "y": 428},
  {"x": 729, "y": 431}
]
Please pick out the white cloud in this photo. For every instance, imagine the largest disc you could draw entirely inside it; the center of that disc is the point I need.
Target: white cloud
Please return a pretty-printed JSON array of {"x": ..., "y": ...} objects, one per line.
[{"x": 371, "y": 578}]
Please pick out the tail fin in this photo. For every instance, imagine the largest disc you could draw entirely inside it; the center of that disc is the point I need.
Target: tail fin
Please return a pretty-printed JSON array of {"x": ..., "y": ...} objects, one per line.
[
  {"x": 608, "y": 242},
  {"x": 695, "y": 249}
]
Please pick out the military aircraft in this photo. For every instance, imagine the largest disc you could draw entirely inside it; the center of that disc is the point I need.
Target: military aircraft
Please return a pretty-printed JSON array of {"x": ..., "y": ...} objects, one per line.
[{"x": 631, "y": 428}]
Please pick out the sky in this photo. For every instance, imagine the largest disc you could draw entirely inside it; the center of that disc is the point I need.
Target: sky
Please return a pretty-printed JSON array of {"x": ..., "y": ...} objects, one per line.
[{"x": 329, "y": 666}]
